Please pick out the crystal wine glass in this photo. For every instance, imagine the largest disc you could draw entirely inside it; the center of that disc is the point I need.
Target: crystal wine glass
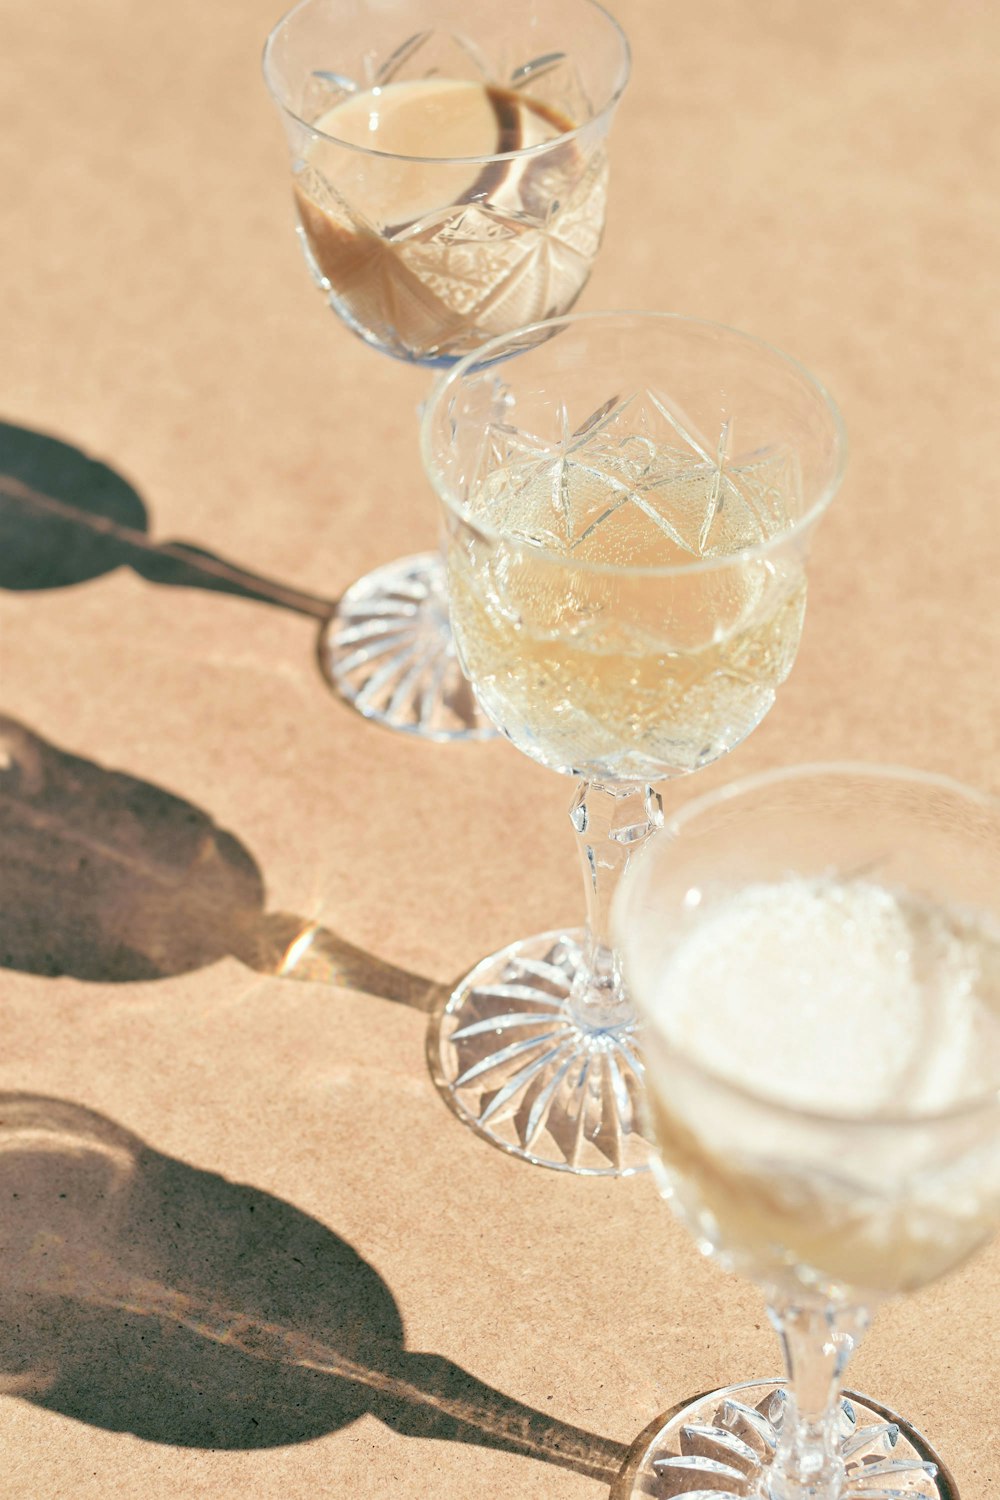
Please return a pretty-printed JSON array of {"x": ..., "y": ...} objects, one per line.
[
  {"x": 628, "y": 506},
  {"x": 816, "y": 955},
  {"x": 450, "y": 177}
]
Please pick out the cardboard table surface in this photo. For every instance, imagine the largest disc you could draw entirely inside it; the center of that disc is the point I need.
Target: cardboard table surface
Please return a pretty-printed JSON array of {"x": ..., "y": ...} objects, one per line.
[{"x": 442, "y": 1319}]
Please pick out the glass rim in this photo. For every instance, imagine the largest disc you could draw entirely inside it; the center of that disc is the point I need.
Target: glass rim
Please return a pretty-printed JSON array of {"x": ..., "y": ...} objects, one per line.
[
  {"x": 894, "y": 1121},
  {"x": 491, "y": 353},
  {"x": 522, "y": 153}
]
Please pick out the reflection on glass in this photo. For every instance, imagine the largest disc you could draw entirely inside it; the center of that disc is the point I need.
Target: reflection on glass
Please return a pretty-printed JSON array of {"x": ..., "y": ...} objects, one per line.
[
  {"x": 628, "y": 505},
  {"x": 816, "y": 955}
]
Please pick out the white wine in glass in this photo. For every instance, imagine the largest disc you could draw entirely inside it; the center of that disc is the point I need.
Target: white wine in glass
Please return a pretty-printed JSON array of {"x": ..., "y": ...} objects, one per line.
[
  {"x": 628, "y": 503},
  {"x": 816, "y": 954},
  {"x": 625, "y": 690}
]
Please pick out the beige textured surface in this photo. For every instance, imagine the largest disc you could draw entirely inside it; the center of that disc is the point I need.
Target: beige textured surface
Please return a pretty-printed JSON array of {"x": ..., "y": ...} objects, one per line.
[{"x": 822, "y": 175}]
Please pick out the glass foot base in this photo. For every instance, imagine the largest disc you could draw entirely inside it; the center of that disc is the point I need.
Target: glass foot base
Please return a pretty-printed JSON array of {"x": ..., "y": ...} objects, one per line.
[
  {"x": 719, "y": 1447},
  {"x": 388, "y": 651},
  {"x": 520, "y": 1067}
]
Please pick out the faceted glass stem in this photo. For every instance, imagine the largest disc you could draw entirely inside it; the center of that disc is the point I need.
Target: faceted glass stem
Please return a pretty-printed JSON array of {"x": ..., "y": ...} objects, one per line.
[
  {"x": 817, "y": 1341},
  {"x": 611, "y": 820}
]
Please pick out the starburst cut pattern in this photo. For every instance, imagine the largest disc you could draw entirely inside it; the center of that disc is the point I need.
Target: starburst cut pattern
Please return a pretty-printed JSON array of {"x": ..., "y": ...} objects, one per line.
[
  {"x": 643, "y": 452},
  {"x": 721, "y": 1447},
  {"x": 517, "y": 1063},
  {"x": 388, "y": 650},
  {"x": 448, "y": 282},
  {"x": 496, "y": 270}
]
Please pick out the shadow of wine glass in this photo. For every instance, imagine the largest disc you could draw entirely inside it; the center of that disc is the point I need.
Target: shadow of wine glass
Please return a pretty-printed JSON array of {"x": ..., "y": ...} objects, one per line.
[
  {"x": 112, "y": 879},
  {"x": 140, "y": 1294},
  {"x": 66, "y": 518}
]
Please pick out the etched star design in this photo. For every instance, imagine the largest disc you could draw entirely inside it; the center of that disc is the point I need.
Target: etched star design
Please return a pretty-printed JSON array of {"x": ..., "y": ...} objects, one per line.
[{"x": 643, "y": 451}]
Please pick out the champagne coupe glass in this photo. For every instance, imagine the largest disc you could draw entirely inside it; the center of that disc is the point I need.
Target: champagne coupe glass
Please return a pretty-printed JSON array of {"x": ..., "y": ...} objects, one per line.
[
  {"x": 816, "y": 955},
  {"x": 450, "y": 177},
  {"x": 628, "y": 506}
]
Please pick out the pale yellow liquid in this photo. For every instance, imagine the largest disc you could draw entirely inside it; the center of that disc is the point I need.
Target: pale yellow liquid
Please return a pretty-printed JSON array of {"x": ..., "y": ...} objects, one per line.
[
  {"x": 432, "y": 257},
  {"x": 905, "y": 1023},
  {"x": 627, "y": 674},
  {"x": 775, "y": 1224}
]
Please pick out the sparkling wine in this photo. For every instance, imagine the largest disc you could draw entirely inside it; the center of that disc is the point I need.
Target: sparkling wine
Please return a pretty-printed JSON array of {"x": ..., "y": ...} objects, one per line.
[
  {"x": 434, "y": 245},
  {"x": 838, "y": 998},
  {"x": 590, "y": 637}
]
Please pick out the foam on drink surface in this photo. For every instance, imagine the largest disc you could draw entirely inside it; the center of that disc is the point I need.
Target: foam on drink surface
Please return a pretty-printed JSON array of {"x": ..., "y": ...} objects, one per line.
[{"x": 839, "y": 996}]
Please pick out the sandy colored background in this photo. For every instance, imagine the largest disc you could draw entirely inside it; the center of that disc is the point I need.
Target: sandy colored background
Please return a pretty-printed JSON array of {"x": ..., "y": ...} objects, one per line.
[{"x": 822, "y": 175}]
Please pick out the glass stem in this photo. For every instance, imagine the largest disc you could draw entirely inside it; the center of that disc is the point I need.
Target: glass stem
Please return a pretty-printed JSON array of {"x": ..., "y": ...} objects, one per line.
[
  {"x": 611, "y": 820},
  {"x": 817, "y": 1341}
]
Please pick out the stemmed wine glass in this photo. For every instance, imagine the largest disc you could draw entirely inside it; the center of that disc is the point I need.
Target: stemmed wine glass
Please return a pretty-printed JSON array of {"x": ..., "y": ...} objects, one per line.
[
  {"x": 816, "y": 955},
  {"x": 450, "y": 179},
  {"x": 628, "y": 507}
]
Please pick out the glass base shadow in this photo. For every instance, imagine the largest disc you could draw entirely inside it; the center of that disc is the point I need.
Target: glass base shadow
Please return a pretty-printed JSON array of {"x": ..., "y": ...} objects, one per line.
[{"x": 144, "y": 1295}]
